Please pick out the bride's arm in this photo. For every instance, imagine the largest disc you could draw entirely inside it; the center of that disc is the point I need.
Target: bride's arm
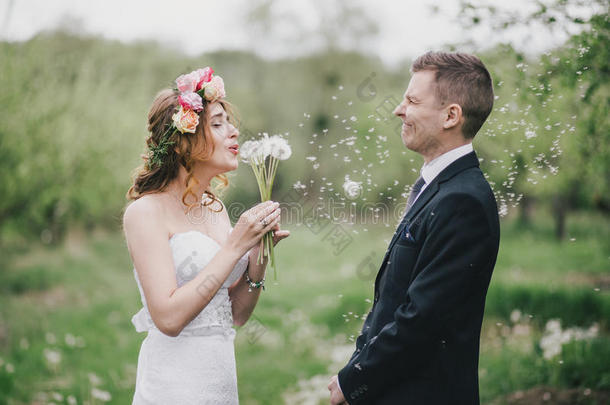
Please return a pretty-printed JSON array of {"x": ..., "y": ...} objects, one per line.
[
  {"x": 244, "y": 299},
  {"x": 170, "y": 307}
]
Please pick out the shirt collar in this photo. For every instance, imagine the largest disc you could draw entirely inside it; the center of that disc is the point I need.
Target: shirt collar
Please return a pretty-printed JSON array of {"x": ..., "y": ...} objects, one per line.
[{"x": 430, "y": 170}]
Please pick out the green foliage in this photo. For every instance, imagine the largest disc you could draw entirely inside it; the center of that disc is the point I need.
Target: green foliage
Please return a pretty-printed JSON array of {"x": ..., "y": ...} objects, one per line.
[
  {"x": 74, "y": 117},
  {"x": 581, "y": 364},
  {"x": 581, "y": 306},
  {"x": 585, "y": 365},
  {"x": 158, "y": 152},
  {"x": 564, "y": 97},
  {"x": 36, "y": 278}
]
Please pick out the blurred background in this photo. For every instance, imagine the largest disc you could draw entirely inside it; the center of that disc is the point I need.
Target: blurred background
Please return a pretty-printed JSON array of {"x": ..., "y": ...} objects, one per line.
[{"x": 77, "y": 79}]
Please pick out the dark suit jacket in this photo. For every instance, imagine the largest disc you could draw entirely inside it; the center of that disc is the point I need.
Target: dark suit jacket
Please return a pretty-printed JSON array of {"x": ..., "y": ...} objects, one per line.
[{"x": 420, "y": 341}]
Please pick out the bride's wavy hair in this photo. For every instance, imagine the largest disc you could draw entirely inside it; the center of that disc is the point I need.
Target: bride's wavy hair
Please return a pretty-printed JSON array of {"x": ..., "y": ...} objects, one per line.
[{"x": 186, "y": 150}]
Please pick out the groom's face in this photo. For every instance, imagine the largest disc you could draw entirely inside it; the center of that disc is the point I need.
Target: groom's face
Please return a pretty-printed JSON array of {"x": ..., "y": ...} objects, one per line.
[{"x": 420, "y": 113}]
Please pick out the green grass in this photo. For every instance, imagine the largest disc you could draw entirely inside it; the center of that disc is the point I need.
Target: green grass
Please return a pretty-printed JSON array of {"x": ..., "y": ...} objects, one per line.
[
  {"x": 83, "y": 291},
  {"x": 532, "y": 254}
]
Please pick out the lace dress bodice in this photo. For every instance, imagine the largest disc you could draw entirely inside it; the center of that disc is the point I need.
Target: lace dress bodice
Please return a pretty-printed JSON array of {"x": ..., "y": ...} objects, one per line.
[{"x": 192, "y": 251}]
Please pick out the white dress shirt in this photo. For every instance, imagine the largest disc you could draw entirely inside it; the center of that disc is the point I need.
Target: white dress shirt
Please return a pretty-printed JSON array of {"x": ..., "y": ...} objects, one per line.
[{"x": 433, "y": 168}]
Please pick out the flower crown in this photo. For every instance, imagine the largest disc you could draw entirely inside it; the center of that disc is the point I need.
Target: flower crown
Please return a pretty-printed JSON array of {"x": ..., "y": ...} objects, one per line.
[{"x": 193, "y": 87}]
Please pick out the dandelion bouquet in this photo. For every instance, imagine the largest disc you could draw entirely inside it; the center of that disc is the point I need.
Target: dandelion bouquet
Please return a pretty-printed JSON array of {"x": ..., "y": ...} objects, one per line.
[{"x": 264, "y": 155}]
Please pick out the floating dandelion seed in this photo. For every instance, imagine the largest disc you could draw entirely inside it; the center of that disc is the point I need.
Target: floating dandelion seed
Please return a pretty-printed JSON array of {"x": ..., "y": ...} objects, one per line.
[{"x": 352, "y": 189}]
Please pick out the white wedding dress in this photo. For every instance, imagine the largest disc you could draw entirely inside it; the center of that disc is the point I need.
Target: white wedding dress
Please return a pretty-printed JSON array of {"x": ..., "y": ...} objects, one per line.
[{"x": 198, "y": 365}]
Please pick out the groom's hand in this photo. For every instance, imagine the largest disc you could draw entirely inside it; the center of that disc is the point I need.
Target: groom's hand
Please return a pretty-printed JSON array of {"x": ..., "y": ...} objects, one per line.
[{"x": 336, "y": 396}]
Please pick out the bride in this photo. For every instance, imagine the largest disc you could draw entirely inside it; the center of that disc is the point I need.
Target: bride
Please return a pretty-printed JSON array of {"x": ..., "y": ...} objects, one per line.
[{"x": 196, "y": 274}]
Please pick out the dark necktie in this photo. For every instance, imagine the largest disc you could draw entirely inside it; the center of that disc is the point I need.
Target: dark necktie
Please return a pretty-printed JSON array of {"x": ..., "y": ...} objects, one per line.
[{"x": 415, "y": 190}]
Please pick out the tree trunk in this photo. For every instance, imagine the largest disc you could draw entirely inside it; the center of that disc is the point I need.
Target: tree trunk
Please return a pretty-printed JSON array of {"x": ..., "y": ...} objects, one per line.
[
  {"x": 525, "y": 211},
  {"x": 560, "y": 210}
]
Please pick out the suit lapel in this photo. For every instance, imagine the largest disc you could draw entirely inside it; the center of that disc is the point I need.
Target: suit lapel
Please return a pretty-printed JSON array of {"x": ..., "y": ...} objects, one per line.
[
  {"x": 465, "y": 162},
  {"x": 420, "y": 203}
]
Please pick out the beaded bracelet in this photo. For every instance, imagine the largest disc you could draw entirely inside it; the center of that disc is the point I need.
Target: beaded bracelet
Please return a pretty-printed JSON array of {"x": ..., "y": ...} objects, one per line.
[{"x": 252, "y": 284}]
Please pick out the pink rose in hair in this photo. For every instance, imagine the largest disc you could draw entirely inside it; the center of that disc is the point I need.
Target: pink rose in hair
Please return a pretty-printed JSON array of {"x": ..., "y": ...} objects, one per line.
[
  {"x": 215, "y": 89},
  {"x": 205, "y": 75},
  {"x": 191, "y": 101},
  {"x": 187, "y": 83}
]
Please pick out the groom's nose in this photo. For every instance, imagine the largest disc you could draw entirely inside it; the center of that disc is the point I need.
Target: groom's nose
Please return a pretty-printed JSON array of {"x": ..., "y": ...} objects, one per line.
[{"x": 399, "y": 110}]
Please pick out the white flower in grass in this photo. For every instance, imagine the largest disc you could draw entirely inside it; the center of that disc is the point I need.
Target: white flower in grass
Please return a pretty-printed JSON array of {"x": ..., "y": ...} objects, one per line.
[
  {"x": 70, "y": 339},
  {"x": 71, "y": 400},
  {"x": 53, "y": 357},
  {"x": 550, "y": 345},
  {"x": 553, "y": 326},
  {"x": 94, "y": 379},
  {"x": 101, "y": 395},
  {"x": 554, "y": 338}
]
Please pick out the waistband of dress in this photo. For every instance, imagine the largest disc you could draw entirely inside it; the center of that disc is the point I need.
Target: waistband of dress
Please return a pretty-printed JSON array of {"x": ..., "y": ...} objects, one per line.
[
  {"x": 142, "y": 321},
  {"x": 211, "y": 331}
]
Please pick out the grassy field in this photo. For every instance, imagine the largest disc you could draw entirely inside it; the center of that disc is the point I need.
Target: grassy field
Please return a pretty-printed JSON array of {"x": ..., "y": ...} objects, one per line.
[{"x": 66, "y": 336}]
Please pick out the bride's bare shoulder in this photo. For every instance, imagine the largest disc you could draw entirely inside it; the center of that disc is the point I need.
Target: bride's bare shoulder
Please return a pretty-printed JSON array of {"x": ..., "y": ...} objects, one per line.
[{"x": 146, "y": 209}]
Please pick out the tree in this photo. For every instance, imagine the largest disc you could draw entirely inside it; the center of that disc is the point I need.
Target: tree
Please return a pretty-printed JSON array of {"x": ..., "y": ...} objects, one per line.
[{"x": 572, "y": 81}]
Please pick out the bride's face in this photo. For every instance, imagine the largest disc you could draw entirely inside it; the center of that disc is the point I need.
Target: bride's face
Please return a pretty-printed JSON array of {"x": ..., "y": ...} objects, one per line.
[{"x": 224, "y": 138}]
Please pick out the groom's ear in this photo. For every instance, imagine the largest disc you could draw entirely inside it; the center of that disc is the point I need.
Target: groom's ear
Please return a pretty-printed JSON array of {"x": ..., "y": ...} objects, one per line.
[{"x": 452, "y": 116}]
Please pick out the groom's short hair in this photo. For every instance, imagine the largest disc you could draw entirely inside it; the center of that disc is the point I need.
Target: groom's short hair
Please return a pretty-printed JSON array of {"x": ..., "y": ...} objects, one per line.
[{"x": 463, "y": 79}]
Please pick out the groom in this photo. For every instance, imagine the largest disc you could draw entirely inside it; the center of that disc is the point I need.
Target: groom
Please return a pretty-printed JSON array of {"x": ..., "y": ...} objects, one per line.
[{"x": 420, "y": 341}]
